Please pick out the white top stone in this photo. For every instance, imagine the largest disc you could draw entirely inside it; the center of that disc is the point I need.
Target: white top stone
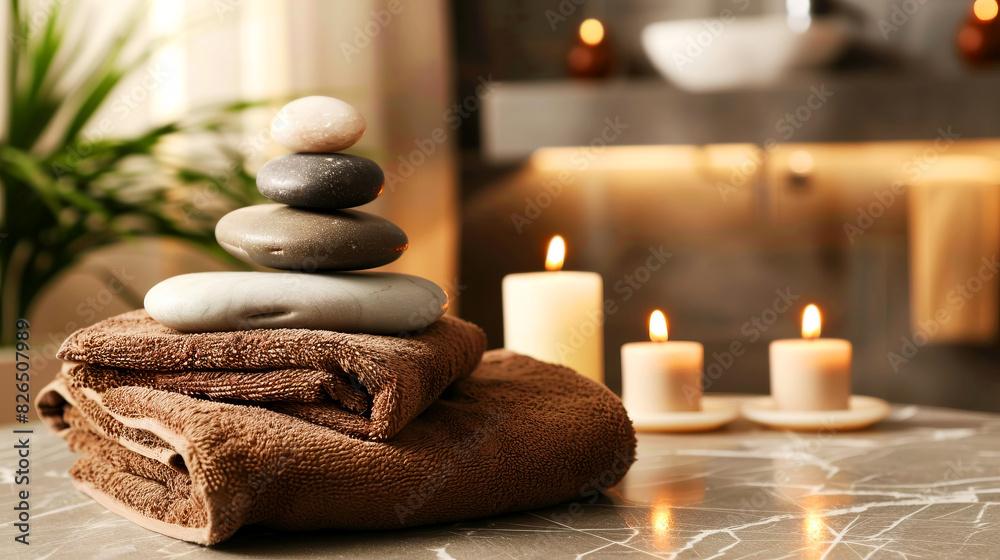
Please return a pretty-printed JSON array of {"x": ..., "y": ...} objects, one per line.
[
  {"x": 374, "y": 303},
  {"x": 317, "y": 124}
]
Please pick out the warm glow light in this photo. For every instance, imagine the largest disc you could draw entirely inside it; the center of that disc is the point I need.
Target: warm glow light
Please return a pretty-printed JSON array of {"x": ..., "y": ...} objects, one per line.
[
  {"x": 814, "y": 528},
  {"x": 811, "y": 322},
  {"x": 556, "y": 255},
  {"x": 814, "y": 534},
  {"x": 591, "y": 32},
  {"x": 800, "y": 162},
  {"x": 985, "y": 10},
  {"x": 620, "y": 158},
  {"x": 657, "y": 327},
  {"x": 662, "y": 521}
]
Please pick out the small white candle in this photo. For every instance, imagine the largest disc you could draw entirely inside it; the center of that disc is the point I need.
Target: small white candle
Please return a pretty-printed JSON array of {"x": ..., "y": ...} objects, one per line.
[
  {"x": 811, "y": 373},
  {"x": 556, "y": 316},
  {"x": 660, "y": 376}
]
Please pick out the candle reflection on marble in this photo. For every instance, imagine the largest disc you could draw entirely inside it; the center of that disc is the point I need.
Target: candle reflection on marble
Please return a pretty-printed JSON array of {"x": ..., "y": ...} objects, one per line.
[
  {"x": 816, "y": 535},
  {"x": 811, "y": 485},
  {"x": 668, "y": 484},
  {"x": 813, "y": 527},
  {"x": 661, "y": 519},
  {"x": 817, "y": 488}
]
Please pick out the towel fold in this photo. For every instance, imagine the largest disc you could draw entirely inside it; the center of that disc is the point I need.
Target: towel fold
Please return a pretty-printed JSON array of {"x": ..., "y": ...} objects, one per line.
[
  {"x": 378, "y": 383},
  {"x": 515, "y": 434}
]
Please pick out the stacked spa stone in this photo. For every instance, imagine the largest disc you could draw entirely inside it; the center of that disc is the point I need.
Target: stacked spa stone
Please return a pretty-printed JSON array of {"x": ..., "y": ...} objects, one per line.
[{"x": 312, "y": 235}]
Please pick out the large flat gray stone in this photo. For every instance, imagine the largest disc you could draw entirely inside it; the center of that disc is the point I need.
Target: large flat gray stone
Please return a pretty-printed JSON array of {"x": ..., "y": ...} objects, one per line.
[{"x": 364, "y": 302}]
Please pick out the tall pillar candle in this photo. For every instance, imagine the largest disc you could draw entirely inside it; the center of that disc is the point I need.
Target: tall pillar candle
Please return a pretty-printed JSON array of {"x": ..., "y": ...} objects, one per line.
[
  {"x": 556, "y": 316},
  {"x": 811, "y": 373}
]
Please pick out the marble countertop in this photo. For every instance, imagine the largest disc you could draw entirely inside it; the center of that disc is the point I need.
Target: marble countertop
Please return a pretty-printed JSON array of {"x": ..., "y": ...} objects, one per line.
[{"x": 923, "y": 484}]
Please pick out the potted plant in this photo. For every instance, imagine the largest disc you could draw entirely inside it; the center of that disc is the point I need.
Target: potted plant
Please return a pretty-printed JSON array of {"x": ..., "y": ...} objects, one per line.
[{"x": 67, "y": 190}]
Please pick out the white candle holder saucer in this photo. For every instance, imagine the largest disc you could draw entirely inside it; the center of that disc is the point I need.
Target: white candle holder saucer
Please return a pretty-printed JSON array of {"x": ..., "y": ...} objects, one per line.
[
  {"x": 715, "y": 413},
  {"x": 861, "y": 413}
]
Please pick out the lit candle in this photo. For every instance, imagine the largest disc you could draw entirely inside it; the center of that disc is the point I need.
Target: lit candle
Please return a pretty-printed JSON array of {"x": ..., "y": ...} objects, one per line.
[
  {"x": 660, "y": 376},
  {"x": 556, "y": 316},
  {"x": 811, "y": 373},
  {"x": 591, "y": 55}
]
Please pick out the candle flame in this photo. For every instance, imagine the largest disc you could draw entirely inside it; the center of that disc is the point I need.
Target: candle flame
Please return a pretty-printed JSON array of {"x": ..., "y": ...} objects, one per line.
[
  {"x": 811, "y": 322},
  {"x": 658, "y": 327},
  {"x": 592, "y": 32},
  {"x": 556, "y": 255}
]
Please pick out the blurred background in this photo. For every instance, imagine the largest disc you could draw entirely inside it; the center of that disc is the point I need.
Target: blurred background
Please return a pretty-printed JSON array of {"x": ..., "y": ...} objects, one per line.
[{"x": 767, "y": 153}]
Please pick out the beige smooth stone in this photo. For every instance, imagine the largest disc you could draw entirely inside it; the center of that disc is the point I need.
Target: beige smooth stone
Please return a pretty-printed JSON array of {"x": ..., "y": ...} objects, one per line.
[
  {"x": 661, "y": 377},
  {"x": 811, "y": 374},
  {"x": 355, "y": 302},
  {"x": 317, "y": 124}
]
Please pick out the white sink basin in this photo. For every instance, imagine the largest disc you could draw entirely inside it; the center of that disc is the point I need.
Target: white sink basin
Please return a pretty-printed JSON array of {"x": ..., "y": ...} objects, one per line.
[{"x": 710, "y": 55}]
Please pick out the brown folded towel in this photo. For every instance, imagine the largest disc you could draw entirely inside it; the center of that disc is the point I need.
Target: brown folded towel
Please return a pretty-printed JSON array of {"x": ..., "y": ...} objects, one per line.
[
  {"x": 516, "y": 434},
  {"x": 379, "y": 382}
]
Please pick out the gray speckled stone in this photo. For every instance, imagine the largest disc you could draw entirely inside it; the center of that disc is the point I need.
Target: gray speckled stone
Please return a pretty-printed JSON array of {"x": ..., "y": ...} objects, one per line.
[
  {"x": 368, "y": 302},
  {"x": 290, "y": 238},
  {"x": 321, "y": 180}
]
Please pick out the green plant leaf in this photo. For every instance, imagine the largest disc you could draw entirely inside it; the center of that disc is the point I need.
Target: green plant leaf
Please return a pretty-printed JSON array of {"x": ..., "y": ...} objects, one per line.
[
  {"x": 22, "y": 166},
  {"x": 80, "y": 195}
]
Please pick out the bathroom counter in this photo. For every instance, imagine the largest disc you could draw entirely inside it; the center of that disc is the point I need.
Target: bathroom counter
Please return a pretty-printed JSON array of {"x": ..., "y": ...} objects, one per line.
[{"x": 924, "y": 483}]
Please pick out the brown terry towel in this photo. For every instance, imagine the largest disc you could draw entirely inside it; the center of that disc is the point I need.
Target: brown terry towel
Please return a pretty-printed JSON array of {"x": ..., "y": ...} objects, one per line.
[
  {"x": 516, "y": 434},
  {"x": 378, "y": 382}
]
